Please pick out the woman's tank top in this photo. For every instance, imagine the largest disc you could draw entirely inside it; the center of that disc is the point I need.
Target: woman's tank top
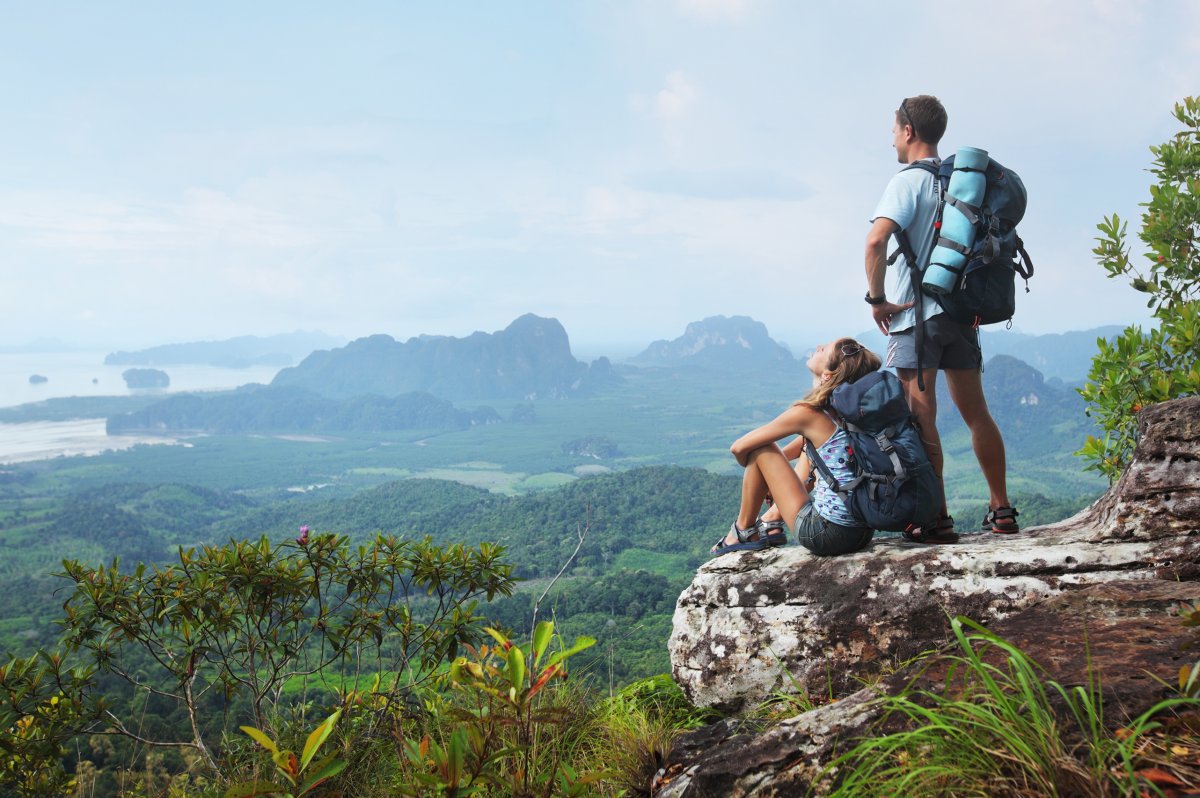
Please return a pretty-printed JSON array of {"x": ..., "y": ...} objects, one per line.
[{"x": 836, "y": 454}]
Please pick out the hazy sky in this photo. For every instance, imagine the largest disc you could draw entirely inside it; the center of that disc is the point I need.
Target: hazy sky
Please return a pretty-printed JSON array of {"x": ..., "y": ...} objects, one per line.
[{"x": 187, "y": 171}]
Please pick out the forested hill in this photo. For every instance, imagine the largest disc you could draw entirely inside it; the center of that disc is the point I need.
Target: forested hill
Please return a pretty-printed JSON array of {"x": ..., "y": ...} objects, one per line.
[
  {"x": 663, "y": 510},
  {"x": 644, "y": 533}
]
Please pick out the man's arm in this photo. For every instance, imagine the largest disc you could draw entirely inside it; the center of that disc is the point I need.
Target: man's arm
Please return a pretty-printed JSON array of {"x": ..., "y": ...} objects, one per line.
[{"x": 877, "y": 240}]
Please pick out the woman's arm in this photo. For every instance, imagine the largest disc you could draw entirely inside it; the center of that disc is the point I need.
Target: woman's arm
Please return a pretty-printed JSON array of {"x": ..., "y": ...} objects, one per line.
[
  {"x": 793, "y": 421},
  {"x": 804, "y": 470},
  {"x": 795, "y": 448}
]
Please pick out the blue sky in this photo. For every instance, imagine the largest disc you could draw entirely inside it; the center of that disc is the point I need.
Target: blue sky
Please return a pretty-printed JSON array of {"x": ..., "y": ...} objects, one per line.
[{"x": 188, "y": 171}]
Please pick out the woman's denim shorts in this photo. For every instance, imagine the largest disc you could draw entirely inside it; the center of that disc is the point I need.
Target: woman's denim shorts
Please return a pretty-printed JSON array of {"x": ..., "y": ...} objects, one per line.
[{"x": 824, "y": 537}]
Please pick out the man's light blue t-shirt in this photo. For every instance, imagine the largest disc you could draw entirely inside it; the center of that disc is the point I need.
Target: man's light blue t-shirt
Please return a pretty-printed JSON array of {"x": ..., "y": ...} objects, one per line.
[{"x": 910, "y": 200}]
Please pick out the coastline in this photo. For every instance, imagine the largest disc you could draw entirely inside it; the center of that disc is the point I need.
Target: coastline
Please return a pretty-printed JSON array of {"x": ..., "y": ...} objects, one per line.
[{"x": 46, "y": 440}]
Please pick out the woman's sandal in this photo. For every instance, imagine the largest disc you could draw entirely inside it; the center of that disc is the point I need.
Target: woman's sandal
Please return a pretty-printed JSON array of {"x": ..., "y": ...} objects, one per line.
[
  {"x": 744, "y": 543},
  {"x": 940, "y": 531},
  {"x": 1002, "y": 521},
  {"x": 774, "y": 532}
]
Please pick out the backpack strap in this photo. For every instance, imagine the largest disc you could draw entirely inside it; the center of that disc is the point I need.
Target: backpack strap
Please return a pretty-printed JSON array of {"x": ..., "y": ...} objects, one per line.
[
  {"x": 904, "y": 247},
  {"x": 864, "y": 480},
  {"x": 1024, "y": 264},
  {"x": 883, "y": 439},
  {"x": 966, "y": 209},
  {"x": 822, "y": 468},
  {"x": 841, "y": 489},
  {"x": 914, "y": 274},
  {"x": 928, "y": 166}
]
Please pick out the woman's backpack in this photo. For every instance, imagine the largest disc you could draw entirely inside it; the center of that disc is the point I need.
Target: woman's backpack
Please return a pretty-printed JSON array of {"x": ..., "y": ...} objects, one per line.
[{"x": 895, "y": 487}]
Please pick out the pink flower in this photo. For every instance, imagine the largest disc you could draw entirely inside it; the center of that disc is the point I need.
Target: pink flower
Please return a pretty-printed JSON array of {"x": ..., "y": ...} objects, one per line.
[{"x": 303, "y": 539}]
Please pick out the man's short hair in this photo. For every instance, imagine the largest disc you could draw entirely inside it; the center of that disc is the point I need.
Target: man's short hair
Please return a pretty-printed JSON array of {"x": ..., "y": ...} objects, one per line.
[{"x": 926, "y": 115}]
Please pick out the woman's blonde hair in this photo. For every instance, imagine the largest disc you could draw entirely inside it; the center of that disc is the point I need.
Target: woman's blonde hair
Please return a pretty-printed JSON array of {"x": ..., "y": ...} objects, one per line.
[{"x": 848, "y": 361}]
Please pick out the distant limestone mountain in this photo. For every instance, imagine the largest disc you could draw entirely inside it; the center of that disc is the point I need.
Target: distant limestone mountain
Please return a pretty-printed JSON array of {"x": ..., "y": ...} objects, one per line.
[
  {"x": 725, "y": 342},
  {"x": 529, "y": 359},
  {"x": 1038, "y": 417},
  {"x": 241, "y": 352},
  {"x": 1067, "y": 356}
]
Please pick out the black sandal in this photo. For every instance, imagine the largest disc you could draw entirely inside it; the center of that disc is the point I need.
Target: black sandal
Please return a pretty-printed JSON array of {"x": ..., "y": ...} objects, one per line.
[
  {"x": 744, "y": 543},
  {"x": 940, "y": 531},
  {"x": 774, "y": 532},
  {"x": 1002, "y": 521}
]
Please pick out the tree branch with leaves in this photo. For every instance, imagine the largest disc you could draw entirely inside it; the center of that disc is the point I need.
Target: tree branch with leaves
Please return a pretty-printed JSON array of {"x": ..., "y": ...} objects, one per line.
[{"x": 1145, "y": 367}]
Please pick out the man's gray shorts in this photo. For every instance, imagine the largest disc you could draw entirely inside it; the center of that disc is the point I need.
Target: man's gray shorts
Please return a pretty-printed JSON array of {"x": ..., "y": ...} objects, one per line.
[{"x": 947, "y": 345}]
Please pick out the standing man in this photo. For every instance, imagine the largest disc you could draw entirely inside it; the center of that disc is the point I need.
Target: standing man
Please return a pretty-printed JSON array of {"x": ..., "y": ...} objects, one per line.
[{"x": 910, "y": 204}]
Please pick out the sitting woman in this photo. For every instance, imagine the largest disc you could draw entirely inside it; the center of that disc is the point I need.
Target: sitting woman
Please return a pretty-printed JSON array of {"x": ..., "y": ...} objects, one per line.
[{"x": 822, "y": 523}]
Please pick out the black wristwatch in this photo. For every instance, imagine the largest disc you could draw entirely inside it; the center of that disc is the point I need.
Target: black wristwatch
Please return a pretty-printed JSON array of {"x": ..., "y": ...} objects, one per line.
[{"x": 875, "y": 300}]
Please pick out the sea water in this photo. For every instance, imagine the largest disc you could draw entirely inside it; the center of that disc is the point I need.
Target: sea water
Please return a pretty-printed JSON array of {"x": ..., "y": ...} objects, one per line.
[{"x": 84, "y": 374}]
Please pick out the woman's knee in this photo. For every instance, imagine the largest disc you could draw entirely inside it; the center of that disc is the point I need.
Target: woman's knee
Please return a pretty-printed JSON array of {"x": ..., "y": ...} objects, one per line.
[{"x": 767, "y": 450}]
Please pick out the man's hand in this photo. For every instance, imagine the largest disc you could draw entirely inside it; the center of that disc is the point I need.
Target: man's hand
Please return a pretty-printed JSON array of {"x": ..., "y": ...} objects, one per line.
[{"x": 883, "y": 313}]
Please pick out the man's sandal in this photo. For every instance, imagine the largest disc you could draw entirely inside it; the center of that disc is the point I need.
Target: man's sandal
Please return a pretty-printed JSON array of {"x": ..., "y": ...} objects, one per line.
[
  {"x": 940, "y": 531},
  {"x": 1002, "y": 521},
  {"x": 744, "y": 543}
]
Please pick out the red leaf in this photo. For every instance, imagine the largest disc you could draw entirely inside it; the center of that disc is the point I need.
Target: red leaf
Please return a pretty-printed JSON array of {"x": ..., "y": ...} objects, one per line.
[{"x": 1160, "y": 777}]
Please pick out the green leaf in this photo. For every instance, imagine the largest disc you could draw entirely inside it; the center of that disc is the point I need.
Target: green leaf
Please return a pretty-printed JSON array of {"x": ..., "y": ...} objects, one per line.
[
  {"x": 541, "y": 639},
  {"x": 455, "y": 757},
  {"x": 580, "y": 644},
  {"x": 497, "y": 636},
  {"x": 317, "y": 738},
  {"x": 249, "y": 789},
  {"x": 328, "y": 772},
  {"x": 260, "y": 738},
  {"x": 516, "y": 668}
]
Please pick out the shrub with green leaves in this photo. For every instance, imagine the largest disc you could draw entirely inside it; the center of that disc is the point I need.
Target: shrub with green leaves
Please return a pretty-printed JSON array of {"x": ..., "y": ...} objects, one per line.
[
  {"x": 295, "y": 776},
  {"x": 230, "y": 633},
  {"x": 511, "y": 728},
  {"x": 1144, "y": 367},
  {"x": 42, "y": 706}
]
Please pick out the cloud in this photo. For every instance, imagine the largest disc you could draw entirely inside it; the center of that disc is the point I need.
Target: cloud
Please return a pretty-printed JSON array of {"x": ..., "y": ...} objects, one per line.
[
  {"x": 676, "y": 98},
  {"x": 725, "y": 184},
  {"x": 87, "y": 224}
]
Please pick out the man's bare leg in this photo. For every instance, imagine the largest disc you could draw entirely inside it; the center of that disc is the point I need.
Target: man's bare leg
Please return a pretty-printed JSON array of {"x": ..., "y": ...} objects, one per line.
[{"x": 966, "y": 389}]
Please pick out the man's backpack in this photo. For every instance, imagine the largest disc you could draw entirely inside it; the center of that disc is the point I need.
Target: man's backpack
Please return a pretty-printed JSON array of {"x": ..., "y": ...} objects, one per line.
[
  {"x": 895, "y": 487},
  {"x": 985, "y": 292}
]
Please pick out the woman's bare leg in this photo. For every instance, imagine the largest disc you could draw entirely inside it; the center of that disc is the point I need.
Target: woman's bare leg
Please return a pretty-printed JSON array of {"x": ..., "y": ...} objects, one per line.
[
  {"x": 754, "y": 493},
  {"x": 773, "y": 513},
  {"x": 781, "y": 479},
  {"x": 767, "y": 469}
]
